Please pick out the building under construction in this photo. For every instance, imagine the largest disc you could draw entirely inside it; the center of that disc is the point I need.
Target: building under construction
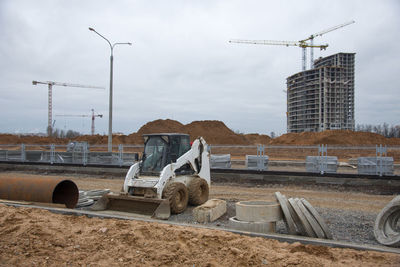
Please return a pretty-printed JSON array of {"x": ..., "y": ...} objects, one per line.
[{"x": 322, "y": 98}]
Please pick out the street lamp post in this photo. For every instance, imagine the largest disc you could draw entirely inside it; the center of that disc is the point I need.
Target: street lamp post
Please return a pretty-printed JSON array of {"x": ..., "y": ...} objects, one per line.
[{"x": 111, "y": 87}]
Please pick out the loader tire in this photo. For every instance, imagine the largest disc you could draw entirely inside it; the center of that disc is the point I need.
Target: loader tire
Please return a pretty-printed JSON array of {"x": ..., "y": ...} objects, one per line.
[
  {"x": 198, "y": 191},
  {"x": 178, "y": 196}
]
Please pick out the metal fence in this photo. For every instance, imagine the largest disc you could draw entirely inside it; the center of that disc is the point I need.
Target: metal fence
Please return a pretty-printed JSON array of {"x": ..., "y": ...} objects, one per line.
[
  {"x": 276, "y": 157},
  {"x": 122, "y": 155}
]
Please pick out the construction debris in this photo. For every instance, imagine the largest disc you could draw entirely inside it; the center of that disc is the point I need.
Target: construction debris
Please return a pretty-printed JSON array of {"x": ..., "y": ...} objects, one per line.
[
  {"x": 87, "y": 198},
  {"x": 386, "y": 230}
]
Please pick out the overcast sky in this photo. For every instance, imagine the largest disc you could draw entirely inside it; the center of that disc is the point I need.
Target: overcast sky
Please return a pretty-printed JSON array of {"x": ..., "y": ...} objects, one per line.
[{"x": 181, "y": 65}]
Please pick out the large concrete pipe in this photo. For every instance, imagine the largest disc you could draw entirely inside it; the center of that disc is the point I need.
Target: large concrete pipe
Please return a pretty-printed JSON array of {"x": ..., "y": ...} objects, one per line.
[{"x": 46, "y": 190}]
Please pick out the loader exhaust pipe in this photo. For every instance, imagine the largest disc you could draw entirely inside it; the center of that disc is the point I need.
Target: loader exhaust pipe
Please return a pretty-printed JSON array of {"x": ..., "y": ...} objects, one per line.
[{"x": 45, "y": 190}]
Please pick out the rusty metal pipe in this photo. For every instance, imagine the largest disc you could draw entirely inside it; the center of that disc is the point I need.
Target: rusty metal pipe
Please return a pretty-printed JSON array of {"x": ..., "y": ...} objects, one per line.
[{"x": 46, "y": 190}]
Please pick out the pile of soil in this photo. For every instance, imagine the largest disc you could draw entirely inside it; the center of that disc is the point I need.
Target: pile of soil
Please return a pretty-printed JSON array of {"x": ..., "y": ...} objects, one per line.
[
  {"x": 33, "y": 237},
  {"x": 334, "y": 137},
  {"x": 215, "y": 133}
]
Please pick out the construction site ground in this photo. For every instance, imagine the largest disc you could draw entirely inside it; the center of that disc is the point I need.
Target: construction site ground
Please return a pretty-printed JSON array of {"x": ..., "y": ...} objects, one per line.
[{"x": 38, "y": 237}]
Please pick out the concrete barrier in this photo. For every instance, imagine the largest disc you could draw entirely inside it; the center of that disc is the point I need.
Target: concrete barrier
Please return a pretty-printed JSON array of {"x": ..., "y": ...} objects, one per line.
[
  {"x": 222, "y": 161},
  {"x": 210, "y": 211}
]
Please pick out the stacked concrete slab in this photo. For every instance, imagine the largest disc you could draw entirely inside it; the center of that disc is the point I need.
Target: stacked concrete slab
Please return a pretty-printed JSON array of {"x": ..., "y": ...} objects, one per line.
[
  {"x": 254, "y": 162},
  {"x": 318, "y": 164},
  {"x": 375, "y": 165},
  {"x": 220, "y": 161},
  {"x": 301, "y": 218}
]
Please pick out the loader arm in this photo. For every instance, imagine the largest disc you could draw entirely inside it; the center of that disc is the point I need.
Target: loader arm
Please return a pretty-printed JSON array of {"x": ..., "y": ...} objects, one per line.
[{"x": 199, "y": 151}]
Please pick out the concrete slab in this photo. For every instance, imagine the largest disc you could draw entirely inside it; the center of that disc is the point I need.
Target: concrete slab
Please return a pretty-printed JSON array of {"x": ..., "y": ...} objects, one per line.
[
  {"x": 210, "y": 211},
  {"x": 255, "y": 227},
  {"x": 301, "y": 218},
  {"x": 310, "y": 218},
  {"x": 258, "y": 211},
  {"x": 319, "y": 219},
  {"x": 287, "y": 217}
]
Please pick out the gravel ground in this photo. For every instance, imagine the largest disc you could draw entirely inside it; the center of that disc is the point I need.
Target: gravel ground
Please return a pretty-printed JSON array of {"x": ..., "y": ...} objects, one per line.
[{"x": 345, "y": 225}]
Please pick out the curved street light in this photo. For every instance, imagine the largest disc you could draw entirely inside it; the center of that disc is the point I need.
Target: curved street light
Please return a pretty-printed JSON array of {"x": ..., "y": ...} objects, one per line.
[{"x": 111, "y": 86}]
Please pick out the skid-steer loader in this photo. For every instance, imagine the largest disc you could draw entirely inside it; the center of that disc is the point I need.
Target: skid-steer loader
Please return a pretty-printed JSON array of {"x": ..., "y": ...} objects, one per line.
[{"x": 171, "y": 174}]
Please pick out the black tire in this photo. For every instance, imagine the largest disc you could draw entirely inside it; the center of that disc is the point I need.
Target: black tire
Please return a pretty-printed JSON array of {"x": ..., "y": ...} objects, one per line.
[
  {"x": 178, "y": 196},
  {"x": 198, "y": 191}
]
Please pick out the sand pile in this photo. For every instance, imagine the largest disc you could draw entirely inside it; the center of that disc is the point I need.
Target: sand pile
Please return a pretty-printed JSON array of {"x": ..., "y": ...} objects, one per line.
[
  {"x": 216, "y": 132},
  {"x": 33, "y": 237}
]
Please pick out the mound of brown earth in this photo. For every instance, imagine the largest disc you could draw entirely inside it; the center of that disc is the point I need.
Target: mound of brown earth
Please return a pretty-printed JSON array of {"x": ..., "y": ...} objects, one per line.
[
  {"x": 334, "y": 137},
  {"x": 34, "y": 237},
  {"x": 214, "y": 132},
  {"x": 162, "y": 126}
]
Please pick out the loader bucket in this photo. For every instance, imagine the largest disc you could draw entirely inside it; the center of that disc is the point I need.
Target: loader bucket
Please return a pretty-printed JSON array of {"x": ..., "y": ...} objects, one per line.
[{"x": 155, "y": 208}]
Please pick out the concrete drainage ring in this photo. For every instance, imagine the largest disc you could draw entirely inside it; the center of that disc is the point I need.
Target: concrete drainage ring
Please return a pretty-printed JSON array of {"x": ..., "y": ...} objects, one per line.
[
  {"x": 258, "y": 211},
  {"x": 385, "y": 230},
  {"x": 255, "y": 227}
]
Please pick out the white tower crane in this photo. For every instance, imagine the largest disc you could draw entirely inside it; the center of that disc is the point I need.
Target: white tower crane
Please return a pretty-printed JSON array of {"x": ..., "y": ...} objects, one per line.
[
  {"x": 93, "y": 116},
  {"x": 50, "y": 98},
  {"x": 302, "y": 43}
]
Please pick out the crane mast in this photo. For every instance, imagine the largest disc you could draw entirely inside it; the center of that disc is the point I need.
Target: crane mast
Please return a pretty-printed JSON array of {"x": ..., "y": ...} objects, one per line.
[{"x": 50, "y": 85}]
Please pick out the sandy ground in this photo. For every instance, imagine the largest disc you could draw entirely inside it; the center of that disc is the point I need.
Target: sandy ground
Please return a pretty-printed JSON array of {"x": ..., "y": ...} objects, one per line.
[{"x": 31, "y": 237}]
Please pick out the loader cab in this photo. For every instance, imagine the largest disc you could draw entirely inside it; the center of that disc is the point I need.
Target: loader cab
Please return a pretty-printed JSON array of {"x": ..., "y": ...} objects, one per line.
[{"x": 161, "y": 150}]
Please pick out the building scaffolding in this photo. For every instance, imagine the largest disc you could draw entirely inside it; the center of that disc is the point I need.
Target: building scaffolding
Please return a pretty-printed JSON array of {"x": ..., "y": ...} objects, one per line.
[{"x": 322, "y": 98}]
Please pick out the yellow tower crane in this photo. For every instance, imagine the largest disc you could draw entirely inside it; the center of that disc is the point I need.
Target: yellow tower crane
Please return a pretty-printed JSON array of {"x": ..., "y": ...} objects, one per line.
[{"x": 302, "y": 43}]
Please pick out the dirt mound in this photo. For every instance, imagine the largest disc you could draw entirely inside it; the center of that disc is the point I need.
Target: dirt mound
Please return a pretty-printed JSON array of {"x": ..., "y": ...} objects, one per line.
[
  {"x": 162, "y": 126},
  {"x": 214, "y": 132},
  {"x": 6, "y": 139},
  {"x": 33, "y": 237},
  {"x": 334, "y": 137},
  {"x": 258, "y": 138}
]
